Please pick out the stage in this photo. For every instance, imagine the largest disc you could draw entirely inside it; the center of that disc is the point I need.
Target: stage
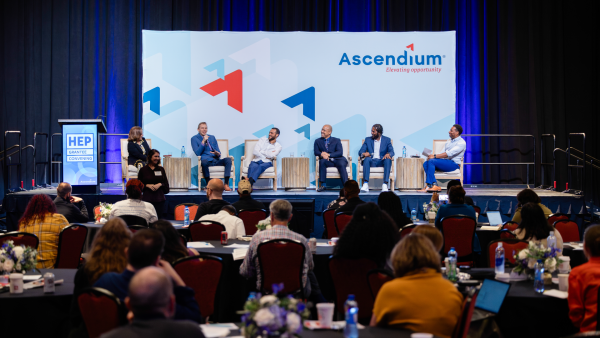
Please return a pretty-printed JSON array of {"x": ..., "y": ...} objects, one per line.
[{"x": 503, "y": 199}]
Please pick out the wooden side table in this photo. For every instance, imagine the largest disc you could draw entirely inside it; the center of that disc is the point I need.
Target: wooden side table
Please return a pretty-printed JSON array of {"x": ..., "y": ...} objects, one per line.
[
  {"x": 294, "y": 174},
  {"x": 179, "y": 172},
  {"x": 409, "y": 173}
]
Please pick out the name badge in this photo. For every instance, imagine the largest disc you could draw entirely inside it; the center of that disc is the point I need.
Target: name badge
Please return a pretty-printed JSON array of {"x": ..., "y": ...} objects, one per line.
[{"x": 157, "y": 173}]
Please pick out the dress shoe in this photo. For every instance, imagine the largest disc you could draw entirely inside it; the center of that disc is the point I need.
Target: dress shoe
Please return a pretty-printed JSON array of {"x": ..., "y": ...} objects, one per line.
[
  {"x": 434, "y": 188},
  {"x": 321, "y": 188},
  {"x": 227, "y": 188}
]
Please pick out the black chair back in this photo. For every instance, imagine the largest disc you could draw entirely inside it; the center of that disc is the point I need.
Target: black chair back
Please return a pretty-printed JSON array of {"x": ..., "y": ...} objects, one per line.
[{"x": 134, "y": 220}]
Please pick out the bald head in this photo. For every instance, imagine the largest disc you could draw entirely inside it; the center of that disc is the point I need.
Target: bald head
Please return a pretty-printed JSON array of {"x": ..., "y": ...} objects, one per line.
[
  {"x": 64, "y": 190},
  {"x": 216, "y": 189},
  {"x": 150, "y": 293},
  {"x": 326, "y": 131}
]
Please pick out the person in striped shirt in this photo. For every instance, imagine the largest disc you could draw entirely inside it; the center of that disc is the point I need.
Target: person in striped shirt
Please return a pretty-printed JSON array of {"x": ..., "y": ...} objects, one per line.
[{"x": 134, "y": 205}]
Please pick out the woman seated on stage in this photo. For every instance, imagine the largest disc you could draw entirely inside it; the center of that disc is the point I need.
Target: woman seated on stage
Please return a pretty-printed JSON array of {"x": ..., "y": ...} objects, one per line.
[
  {"x": 137, "y": 147},
  {"x": 529, "y": 196},
  {"x": 419, "y": 298},
  {"x": 371, "y": 233},
  {"x": 174, "y": 247},
  {"x": 133, "y": 205},
  {"x": 534, "y": 226},
  {"x": 156, "y": 184},
  {"x": 390, "y": 202},
  {"x": 40, "y": 218}
]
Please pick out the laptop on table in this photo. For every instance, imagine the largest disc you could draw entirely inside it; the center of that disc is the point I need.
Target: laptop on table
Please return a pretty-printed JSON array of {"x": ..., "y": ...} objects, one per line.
[
  {"x": 490, "y": 298},
  {"x": 495, "y": 219}
]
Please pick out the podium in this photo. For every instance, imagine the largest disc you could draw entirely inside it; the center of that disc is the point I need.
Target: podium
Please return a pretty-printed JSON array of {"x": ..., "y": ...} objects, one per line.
[{"x": 80, "y": 154}]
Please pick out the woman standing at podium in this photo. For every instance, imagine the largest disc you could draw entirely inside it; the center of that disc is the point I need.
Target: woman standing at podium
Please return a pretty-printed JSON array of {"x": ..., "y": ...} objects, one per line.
[
  {"x": 138, "y": 148},
  {"x": 156, "y": 184}
]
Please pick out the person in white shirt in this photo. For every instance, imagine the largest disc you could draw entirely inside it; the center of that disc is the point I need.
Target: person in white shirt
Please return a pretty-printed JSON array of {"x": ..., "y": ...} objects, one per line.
[
  {"x": 133, "y": 205},
  {"x": 265, "y": 151},
  {"x": 449, "y": 160},
  {"x": 233, "y": 225}
]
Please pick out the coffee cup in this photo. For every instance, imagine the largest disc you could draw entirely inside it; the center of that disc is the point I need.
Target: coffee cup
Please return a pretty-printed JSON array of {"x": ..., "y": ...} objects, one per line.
[
  {"x": 563, "y": 282},
  {"x": 325, "y": 312},
  {"x": 16, "y": 283},
  {"x": 565, "y": 266}
]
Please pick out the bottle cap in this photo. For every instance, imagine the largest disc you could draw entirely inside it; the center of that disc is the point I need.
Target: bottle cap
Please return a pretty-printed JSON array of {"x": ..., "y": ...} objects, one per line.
[
  {"x": 350, "y": 297},
  {"x": 551, "y": 233},
  {"x": 451, "y": 248},
  {"x": 539, "y": 260},
  {"x": 499, "y": 244}
]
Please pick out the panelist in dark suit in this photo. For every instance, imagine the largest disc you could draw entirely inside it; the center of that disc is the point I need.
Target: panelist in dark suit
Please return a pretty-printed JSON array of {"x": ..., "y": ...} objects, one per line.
[
  {"x": 376, "y": 151},
  {"x": 207, "y": 148},
  {"x": 331, "y": 154}
]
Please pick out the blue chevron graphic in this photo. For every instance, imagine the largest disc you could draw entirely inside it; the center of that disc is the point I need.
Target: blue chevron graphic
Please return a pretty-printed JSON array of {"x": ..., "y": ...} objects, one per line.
[
  {"x": 219, "y": 66},
  {"x": 304, "y": 129},
  {"x": 153, "y": 95},
  {"x": 305, "y": 98},
  {"x": 264, "y": 132}
]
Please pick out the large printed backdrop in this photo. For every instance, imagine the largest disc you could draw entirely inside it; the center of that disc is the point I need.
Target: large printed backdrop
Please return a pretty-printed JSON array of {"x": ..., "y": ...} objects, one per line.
[{"x": 242, "y": 84}]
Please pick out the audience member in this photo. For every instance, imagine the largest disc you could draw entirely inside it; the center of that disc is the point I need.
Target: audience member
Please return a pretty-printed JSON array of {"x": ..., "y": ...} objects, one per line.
[
  {"x": 156, "y": 183},
  {"x": 529, "y": 196},
  {"x": 456, "y": 206},
  {"x": 144, "y": 250},
  {"x": 390, "y": 202},
  {"x": 336, "y": 203},
  {"x": 73, "y": 208},
  {"x": 133, "y": 205},
  {"x": 40, "y": 218},
  {"x": 174, "y": 248},
  {"x": 151, "y": 305},
  {"x": 214, "y": 192},
  {"x": 137, "y": 147},
  {"x": 370, "y": 234},
  {"x": 433, "y": 233},
  {"x": 454, "y": 183},
  {"x": 233, "y": 225},
  {"x": 351, "y": 192},
  {"x": 246, "y": 201},
  {"x": 584, "y": 281},
  {"x": 419, "y": 298},
  {"x": 534, "y": 226}
]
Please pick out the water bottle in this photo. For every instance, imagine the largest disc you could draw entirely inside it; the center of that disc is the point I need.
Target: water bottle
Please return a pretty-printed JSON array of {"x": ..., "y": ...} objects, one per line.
[
  {"x": 413, "y": 215},
  {"x": 499, "y": 258},
  {"x": 186, "y": 216},
  {"x": 451, "y": 273},
  {"x": 538, "y": 283},
  {"x": 551, "y": 241},
  {"x": 351, "y": 311},
  {"x": 182, "y": 151},
  {"x": 404, "y": 151}
]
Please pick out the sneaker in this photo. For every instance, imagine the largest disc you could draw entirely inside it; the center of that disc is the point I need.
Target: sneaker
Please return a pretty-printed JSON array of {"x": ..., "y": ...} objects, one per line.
[
  {"x": 365, "y": 187},
  {"x": 384, "y": 188}
]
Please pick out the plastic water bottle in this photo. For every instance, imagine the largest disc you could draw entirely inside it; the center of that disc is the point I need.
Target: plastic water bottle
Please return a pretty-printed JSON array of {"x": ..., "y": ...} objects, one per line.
[
  {"x": 182, "y": 151},
  {"x": 413, "y": 215},
  {"x": 551, "y": 241},
  {"x": 351, "y": 311},
  {"x": 538, "y": 283},
  {"x": 186, "y": 216},
  {"x": 452, "y": 257},
  {"x": 404, "y": 151},
  {"x": 499, "y": 258}
]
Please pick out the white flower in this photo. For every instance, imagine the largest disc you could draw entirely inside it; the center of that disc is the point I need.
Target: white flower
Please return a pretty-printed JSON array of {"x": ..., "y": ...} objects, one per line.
[
  {"x": 550, "y": 264},
  {"x": 293, "y": 321},
  {"x": 8, "y": 265},
  {"x": 268, "y": 300},
  {"x": 523, "y": 254},
  {"x": 531, "y": 263},
  {"x": 18, "y": 267},
  {"x": 263, "y": 317},
  {"x": 18, "y": 250}
]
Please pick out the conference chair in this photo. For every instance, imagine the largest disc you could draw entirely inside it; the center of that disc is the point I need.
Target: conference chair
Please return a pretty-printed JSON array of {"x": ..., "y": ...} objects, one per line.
[
  {"x": 332, "y": 172},
  {"x": 206, "y": 231},
  {"x": 218, "y": 171},
  {"x": 569, "y": 230},
  {"x": 464, "y": 321},
  {"x": 459, "y": 232},
  {"x": 557, "y": 217},
  {"x": 270, "y": 173},
  {"x": 511, "y": 247},
  {"x": 71, "y": 241},
  {"x": 183, "y": 239},
  {"x": 128, "y": 172},
  {"x": 340, "y": 221},
  {"x": 135, "y": 228},
  {"x": 101, "y": 311},
  {"x": 202, "y": 273},
  {"x": 134, "y": 220},
  {"x": 376, "y": 278},
  {"x": 20, "y": 238},
  {"x": 508, "y": 228},
  {"x": 282, "y": 261},
  {"x": 438, "y": 147},
  {"x": 377, "y": 172},
  {"x": 407, "y": 229},
  {"x": 251, "y": 217},
  {"x": 477, "y": 210},
  {"x": 180, "y": 211},
  {"x": 329, "y": 224}
]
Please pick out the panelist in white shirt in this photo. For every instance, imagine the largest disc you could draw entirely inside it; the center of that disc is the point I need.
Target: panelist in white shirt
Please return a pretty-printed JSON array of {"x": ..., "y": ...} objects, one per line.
[
  {"x": 265, "y": 151},
  {"x": 233, "y": 225},
  {"x": 449, "y": 160}
]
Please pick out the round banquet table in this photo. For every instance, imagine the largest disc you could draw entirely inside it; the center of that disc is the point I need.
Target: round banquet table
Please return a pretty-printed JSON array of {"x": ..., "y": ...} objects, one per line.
[
  {"x": 367, "y": 332},
  {"x": 233, "y": 289}
]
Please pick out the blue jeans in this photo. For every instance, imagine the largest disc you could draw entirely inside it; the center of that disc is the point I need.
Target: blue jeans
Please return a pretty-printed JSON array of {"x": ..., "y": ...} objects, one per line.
[
  {"x": 442, "y": 164},
  {"x": 369, "y": 162},
  {"x": 225, "y": 162},
  {"x": 257, "y": 168}
]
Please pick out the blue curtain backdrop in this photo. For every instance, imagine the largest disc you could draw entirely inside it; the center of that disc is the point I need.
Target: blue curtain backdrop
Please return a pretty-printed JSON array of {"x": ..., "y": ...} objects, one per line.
[{"x": 523, "y": 67}]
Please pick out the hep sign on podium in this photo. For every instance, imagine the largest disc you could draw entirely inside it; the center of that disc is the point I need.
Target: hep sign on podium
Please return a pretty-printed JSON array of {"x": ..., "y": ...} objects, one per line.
[{"x": 80, "y": 147}]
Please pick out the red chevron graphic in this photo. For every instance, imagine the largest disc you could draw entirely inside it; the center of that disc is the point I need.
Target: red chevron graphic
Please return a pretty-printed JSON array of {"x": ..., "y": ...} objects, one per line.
[
  {"x": 232, "y": 85},
  {"x": 411, "y": 47}
]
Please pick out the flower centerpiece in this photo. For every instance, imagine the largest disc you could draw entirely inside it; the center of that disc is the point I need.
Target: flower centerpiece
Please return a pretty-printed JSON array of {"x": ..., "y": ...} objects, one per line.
[
  {"x": 273, "y": 315},
  {"x": 265, "y": 224},
  {"x": 17, "y": 258},
  {"x": 103, "y": 213},
  {"x": 526, "y": 258},
  {"x": 430, "y": 210}
]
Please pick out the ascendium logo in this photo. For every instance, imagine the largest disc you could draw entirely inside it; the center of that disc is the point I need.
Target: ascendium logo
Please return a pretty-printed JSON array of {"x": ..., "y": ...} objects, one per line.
[{"x": 401, "y": 60}]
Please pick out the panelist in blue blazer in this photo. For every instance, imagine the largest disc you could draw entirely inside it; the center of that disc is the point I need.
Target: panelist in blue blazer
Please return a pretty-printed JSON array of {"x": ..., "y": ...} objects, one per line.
[
  {"x": 331, "y": 154},
  {"x": 376, "y": 151},
  {"x": 207, "y": 148}
]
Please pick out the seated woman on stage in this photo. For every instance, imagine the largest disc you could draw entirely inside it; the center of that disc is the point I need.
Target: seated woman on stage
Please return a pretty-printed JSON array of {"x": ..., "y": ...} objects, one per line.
[
  {"x": 174, "y": 248},
  {"x": 419, "y": 298},
  {"x": 40, "y": 218},
  {"x": 133, "y": 205},
  {"x": 156, "y": 184},
  {"x": 390, "y": 202},
  {"x": 371, "y": 233},
  {"x": 529, "y": 196},
  {"x": 137, "y": 147},
  {"x": 534, "y": 226}
]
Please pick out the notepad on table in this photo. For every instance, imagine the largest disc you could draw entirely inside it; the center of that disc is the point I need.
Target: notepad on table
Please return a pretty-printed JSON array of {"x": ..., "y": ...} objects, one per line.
[
  {"x": 200, "y": 245},
  {"x": 239, "y": 254}
]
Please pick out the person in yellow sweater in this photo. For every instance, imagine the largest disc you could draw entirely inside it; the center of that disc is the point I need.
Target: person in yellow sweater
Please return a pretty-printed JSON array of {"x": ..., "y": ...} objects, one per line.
[
  {"x": 419, "y": 298},
  {"x": 528, "y": 196}
]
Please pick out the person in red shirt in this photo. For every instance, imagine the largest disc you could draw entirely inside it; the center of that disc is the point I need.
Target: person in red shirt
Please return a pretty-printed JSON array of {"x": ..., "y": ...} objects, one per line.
[{"x": 584, "y": 281}]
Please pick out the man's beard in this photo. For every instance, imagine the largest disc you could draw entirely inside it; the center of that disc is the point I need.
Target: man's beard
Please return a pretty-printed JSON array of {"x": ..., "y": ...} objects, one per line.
[{"x": 271, "y": 138}]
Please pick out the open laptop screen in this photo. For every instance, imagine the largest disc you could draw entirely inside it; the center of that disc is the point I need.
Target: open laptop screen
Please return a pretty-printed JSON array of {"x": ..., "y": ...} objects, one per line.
[
  {"x": 491, "y": 295},
  {"x": 495, "y": 218}
]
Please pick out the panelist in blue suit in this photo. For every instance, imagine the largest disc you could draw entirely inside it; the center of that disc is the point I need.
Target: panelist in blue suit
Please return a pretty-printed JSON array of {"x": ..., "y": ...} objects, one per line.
[
  {"x": 207, "y": 148},
  {"x": 331, "y": 154},
  {"x": 376, "y": 151}
]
